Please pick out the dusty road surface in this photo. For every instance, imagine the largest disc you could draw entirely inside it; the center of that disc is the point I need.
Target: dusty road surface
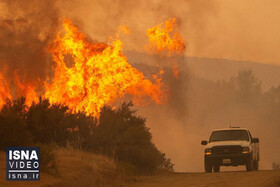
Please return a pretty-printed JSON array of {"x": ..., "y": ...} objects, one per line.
[{"x": 223, "y": 179}]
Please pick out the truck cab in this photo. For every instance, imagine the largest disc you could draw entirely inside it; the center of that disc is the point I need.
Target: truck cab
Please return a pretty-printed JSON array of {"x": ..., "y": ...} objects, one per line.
[{"x": 231, "y": 147}]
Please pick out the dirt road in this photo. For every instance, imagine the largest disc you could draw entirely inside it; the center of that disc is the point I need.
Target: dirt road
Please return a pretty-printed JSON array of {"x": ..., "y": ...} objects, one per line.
[
  {"x": 223, "y": 179},
  {"x": 76, "y": 168}
]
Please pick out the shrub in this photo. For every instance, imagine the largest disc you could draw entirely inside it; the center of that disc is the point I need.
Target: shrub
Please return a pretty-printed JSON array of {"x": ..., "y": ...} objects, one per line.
[
  {"x": 79, "y": 130},
  {"x": 123, "y": 135},
  {"x": 167, "y": 164},
  {"x": 275, "y": 166},
  {"x": 45, "y": 122},
  {"x": 13, "y": 131}
]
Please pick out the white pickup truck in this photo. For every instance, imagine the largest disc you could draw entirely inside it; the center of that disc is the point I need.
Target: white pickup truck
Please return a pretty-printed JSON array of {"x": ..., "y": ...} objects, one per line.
[{"x": 231, "y": 147}]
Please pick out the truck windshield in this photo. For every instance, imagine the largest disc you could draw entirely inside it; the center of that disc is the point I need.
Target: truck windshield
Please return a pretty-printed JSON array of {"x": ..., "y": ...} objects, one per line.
[{"x": 229, "y": 135}]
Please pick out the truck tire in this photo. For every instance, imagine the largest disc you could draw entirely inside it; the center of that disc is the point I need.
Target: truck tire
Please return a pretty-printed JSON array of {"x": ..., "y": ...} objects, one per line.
[
  {"x": 256, "y": 165},
  {"x": 216, "y": 168},
  {"x": 207, "y": 166},
  {"x": 250, "y": 165}
]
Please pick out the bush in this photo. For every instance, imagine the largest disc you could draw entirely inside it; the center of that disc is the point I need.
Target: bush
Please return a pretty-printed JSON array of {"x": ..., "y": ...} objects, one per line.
[
  {"x": 123, "y": 135},
  {"x": 45, "y": 122},
  {"x": 167, "y": 164},
  {"x": 79, "y": 130},
  {"x": 13, "y": 127},
  {"x": 275, "y": 166},
  {"x": 54, "y": 123}
]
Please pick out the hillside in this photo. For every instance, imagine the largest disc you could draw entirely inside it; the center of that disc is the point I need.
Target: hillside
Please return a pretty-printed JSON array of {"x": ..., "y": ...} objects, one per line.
[{"x": 212, "y": 69}]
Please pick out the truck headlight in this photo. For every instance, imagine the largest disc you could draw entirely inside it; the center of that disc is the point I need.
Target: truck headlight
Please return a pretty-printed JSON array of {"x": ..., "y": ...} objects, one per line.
[
  {"x": 245, "y": 150},
  {"x": 208, "y": 151}
]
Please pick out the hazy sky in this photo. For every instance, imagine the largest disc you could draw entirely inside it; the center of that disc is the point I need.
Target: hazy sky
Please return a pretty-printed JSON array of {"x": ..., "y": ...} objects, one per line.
[{"x": 231, "y": 29}]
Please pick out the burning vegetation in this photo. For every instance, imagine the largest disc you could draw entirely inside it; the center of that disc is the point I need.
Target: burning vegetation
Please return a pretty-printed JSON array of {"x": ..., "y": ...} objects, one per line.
[
  {"x": 75, "y": 102},
  {"x": 99, "y": 74},
  {"x": 89, "y": 75}
]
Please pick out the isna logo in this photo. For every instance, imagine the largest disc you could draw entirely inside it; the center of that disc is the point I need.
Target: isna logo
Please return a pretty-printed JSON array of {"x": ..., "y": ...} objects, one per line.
[{"x": 23, "y": 164}]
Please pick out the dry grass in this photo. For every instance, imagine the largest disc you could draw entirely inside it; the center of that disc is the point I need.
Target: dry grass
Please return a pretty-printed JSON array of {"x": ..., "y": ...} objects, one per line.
[
  {"x": 86, "y": 168},
  {"x": 75, "y": 168}
]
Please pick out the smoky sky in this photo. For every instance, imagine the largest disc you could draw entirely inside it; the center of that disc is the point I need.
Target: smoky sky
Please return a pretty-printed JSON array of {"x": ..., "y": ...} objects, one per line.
[
  {"x": 239, "y": 30},
  {"x": 26, "y": 28}
]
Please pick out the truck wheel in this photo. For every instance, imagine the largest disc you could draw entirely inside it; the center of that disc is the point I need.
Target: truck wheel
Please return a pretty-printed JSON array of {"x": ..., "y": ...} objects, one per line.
[
  {"x": 250, "y": 165},
  {"x": 207, "y": 166},
  {"x": 256, "y": 165},
  {"x": 216, "y": 168}
]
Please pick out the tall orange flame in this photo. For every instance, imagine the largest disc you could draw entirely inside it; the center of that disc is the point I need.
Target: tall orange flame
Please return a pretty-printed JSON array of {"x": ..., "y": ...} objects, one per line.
[
  {"x": 98, "y": 75},
  {"x": 21, "y": 89},
  {"x": 165, "y": 39},
  {"x": 26, "y": 90},
  {"x": 5, "y": 92}
]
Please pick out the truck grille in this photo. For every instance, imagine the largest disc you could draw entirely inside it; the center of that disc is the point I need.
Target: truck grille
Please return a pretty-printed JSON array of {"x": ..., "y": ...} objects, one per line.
[{"x": 226, "y": 150}]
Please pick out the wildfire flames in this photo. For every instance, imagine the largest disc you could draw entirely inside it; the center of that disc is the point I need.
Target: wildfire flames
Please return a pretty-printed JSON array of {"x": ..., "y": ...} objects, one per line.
[
  {"x": 23, "y": 89},
  {"x": 26, "y": 90},
  {"x": 5, "y": 92},
  {"x": 99, "y": 75},
  {"x": 88, "y": 75},
  {"x": 165, "y": 39}
]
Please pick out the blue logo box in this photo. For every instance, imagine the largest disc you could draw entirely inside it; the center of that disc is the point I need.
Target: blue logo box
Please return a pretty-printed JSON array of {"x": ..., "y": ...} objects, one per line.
[{"x": 23, "y": 164}]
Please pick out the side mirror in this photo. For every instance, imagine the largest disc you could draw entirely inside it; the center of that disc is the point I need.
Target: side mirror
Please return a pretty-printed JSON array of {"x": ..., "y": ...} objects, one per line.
[
  {"x": 255, "y": 140},
  {"x": 204, "y": 142}
]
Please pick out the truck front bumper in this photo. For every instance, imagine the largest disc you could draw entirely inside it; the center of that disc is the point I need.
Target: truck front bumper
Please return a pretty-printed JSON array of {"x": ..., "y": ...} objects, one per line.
[{"x": 228, "y": 159}]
